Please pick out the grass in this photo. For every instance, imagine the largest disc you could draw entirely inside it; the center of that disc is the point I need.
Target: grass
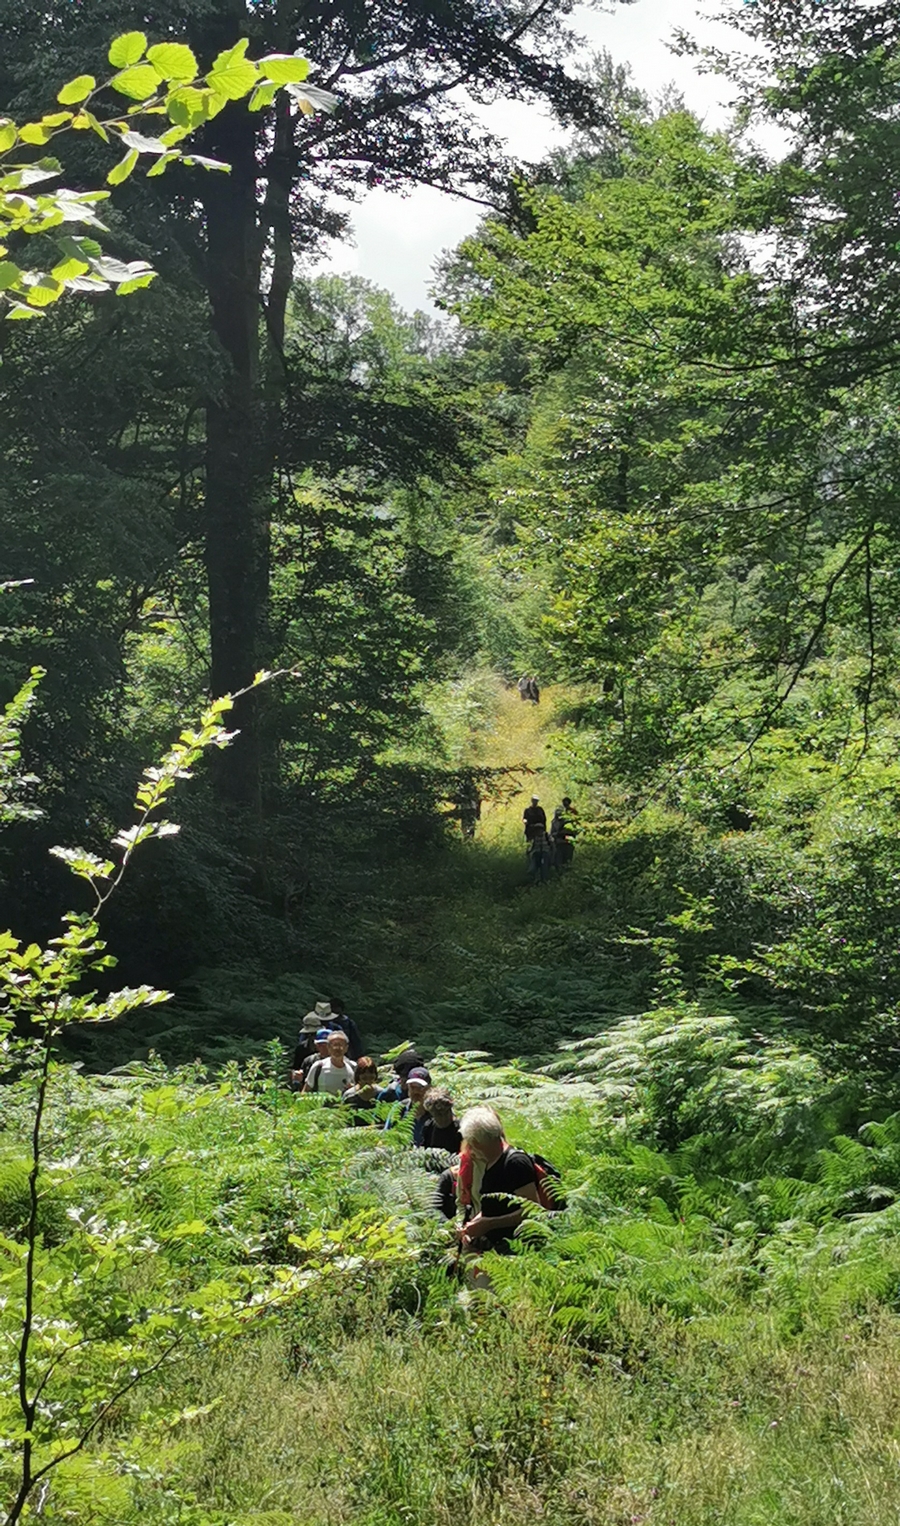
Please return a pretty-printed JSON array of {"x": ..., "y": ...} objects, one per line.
[{"x": 483, "y": 1419}]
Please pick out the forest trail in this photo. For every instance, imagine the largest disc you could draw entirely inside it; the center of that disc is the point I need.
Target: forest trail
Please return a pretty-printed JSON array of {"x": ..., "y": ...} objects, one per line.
[{"x": 519, "y": 736}]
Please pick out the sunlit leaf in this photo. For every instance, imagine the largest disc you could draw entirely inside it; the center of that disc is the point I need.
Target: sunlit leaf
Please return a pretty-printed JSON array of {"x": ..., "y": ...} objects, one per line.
[
  {"x": 284, "y": 68},
  {"x": 174, "y": 60},
  {"x": 77, "y": 90},
  {"x": 138, "y": 83},
  {"x": 127, "y": 49},
  {"x": 123, "y": 169}
]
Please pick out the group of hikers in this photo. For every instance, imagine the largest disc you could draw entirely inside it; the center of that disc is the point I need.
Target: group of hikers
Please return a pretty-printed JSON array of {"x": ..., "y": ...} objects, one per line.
[
  {"x": 486, "y": 1182},
  {"x": 528, "y": 689},
  {"x": 550, "y": 847}
]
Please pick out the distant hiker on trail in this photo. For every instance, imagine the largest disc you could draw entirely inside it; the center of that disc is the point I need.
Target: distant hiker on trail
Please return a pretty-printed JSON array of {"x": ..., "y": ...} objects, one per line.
[
  {"x": 339, "y": 1019},
  {"x": 528, "y": 689},
  {"x": 441, "y": 1131},
  {"x": 535, "y": 819},
  {"x": 562, "y": 833},
  {"x": 490, "y": 1177},
  {"x": 335, "y": 1074},
  {"x": 363, "y": 1096}
]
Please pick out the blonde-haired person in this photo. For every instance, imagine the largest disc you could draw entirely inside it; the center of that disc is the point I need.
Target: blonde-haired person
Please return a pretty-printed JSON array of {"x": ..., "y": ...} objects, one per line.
[{"x": 491, "y": 1177}]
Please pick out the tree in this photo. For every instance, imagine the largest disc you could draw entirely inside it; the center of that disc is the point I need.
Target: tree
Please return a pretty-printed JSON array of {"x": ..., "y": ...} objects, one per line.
[{"x": 396, "y": 70}]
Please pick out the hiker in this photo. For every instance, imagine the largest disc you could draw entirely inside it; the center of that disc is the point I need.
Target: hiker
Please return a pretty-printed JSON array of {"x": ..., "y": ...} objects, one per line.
[
  {"x": 335, "y": 1074},
  {"x": 395, "y": 1091},
  {"x": 305, "y": 1048},
  {"x": 362, "y": 1096},
  {"x": 417, "y": 1084},
  {"x": 561, "y": 839},
  {"x": 524, "y": 687},
  {"x": 491, "y": 1176},
  {"x": 534, "y": 693},
  {"x": 339, "y": 1019},
  {"x": 319, "y": 1051},
  {"x": 535, "y": 819},
  {"x": 539, "y": 852},
  {"x": 441, "y": 1131}
]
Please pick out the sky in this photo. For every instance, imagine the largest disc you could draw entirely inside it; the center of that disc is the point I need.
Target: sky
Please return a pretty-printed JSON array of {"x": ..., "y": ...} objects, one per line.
[{"x": 398, "y": 238}]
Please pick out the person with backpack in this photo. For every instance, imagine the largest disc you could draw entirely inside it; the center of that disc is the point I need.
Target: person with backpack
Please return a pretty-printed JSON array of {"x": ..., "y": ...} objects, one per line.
[
  {"x": 492, "y": 1179},
  {"x": 488, "y": 1179},
  {"x": 335, "y": 1074},
  {"x": 304, "y": 1060},
  {"x": 338, "y": 1018}
]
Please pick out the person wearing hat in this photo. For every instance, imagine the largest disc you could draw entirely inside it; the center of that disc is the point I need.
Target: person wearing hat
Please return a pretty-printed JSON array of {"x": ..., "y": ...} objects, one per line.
[
  {"x": 417, "y": 1084},
  {"x": 319, "y": 1051},
  {"x": 395, "y": 1091},
  {"x": 305, "y": 1047},
  {"x": 535, "y": 819}
]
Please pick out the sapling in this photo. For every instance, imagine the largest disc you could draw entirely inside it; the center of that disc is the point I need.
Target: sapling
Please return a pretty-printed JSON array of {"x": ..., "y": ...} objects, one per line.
[{"x": 44, "y": 990}]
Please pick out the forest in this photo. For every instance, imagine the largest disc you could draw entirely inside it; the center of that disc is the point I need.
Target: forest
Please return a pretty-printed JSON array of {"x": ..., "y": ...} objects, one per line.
[{"x": 275, "y": 556}]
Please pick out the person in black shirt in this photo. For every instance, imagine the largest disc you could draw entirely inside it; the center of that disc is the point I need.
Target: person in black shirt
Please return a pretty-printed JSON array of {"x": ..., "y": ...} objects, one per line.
[
  {"x": 338, "y": 1018},
  {"x": 441, "y": 1129},
  {"x": 491, "y": 1177},
  {"x": 362, "y": 1096},
  {"x": 535, "y": 819}
]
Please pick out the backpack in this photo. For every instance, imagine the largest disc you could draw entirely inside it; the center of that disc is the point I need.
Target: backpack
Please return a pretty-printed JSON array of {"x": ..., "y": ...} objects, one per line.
[{"x": 550, "y": 1193}]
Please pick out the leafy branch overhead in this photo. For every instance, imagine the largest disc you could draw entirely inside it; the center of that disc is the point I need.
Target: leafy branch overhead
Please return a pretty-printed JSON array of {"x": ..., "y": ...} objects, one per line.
[{"x": 162, "y": 81}]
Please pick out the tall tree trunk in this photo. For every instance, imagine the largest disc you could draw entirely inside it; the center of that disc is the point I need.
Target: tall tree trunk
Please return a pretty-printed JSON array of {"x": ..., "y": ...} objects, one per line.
[{"x": 236, "y": 490}]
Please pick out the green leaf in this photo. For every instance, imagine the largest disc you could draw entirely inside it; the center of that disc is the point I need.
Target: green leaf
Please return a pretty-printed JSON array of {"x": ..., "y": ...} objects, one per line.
[
  {"x": 174, "y": 60},
  {"x": 10, "y": 274},
  {"x": 127, "y": 49},
  {"x": 160, "y": 165},
  {"x": 35, "y": 132},
  {"x": 138, "y": 83},
  {"x": 262, "y": 96},
  {"x": 56, "y": 119},
  {"x": 232, "y": 75},
  {"x": 8, "y": 134},
  {"x": 96, "y": 126},
  {"x": 173, "y": 135},
  {"x": 134, "y": 284},
  {"x": 284, "y": 68},
  {"x": 23, "y": 312},
  {"x": 67, "y": 270},
  {"x": 77, "y": 90},
  {"x": 122, "y": 170},
  {"x": 44, "y": 292},
  {"x": 187, "y": 107},
  {"x": 78, "y": 248}
]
